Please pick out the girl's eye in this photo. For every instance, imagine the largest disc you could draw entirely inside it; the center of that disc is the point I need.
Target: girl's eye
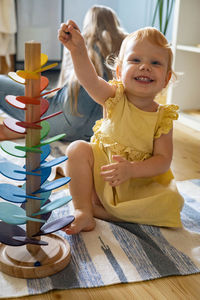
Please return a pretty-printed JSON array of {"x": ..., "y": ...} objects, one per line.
[
  {"x": 155, "y": 62},
  {"x": 136, "y": 60}
]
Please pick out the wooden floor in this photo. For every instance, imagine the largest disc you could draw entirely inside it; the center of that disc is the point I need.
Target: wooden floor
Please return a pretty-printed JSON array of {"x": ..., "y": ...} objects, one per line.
[
  {"x": 185, "y": 166},
  {"x": 186, "y": 158}
]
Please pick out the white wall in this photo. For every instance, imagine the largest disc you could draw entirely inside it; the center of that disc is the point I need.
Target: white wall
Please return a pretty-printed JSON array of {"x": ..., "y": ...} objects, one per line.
[
  {"x": 133, "y": 14},
  {"x": 76, "y": 9},
  {"x": 39, "y": 20}
]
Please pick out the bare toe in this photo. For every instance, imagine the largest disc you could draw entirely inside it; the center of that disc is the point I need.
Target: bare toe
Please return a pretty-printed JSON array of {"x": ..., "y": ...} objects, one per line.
[{"x": 82, "y": 222}]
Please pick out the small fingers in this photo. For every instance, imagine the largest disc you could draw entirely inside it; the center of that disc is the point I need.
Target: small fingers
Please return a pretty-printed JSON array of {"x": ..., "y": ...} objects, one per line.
[
  {"x": 62, "y": 32},
  {"x": 65, "y": 26},
  {"x": 73, "y": 24},
  {"x": 108, "y": 173},
  {"x": 65, "y": 30},
  {"x": 115, "y": 182},
  {"x": 109, "y": 167},
  {"x": 110, "y": 178},
  {"x": 61, "y": 35}
]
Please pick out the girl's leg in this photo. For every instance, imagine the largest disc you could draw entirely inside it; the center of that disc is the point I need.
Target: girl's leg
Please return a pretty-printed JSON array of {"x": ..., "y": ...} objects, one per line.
[
  {"x": 99, "y": 211},
  {"x": 80, "y": 169}
]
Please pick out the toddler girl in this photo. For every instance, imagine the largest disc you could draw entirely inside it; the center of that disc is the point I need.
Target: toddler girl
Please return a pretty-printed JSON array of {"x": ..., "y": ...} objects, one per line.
[{"x": 124, "y": 172}]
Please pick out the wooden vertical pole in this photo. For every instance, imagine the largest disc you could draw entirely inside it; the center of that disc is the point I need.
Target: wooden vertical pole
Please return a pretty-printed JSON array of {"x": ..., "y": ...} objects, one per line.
[
  {"x": 32, "y": 89},
  {"x": 34, "y": 261}
]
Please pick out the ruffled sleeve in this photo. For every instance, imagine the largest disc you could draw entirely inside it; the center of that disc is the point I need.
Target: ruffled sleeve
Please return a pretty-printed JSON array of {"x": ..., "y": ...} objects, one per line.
[
  {"x": 111, "y": 102},
  {"x": 168, "y": 115}
]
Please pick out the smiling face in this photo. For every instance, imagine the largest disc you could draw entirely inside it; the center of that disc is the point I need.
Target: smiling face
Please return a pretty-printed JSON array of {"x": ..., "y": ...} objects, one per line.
[{"x": 144, "y": 70}]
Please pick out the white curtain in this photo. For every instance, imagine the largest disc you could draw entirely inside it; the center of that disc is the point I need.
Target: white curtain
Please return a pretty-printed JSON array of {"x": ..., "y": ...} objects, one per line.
[{"x": 8, "y": 28}]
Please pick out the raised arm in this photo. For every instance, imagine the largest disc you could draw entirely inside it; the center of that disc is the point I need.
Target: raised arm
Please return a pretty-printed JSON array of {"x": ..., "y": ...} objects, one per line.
[{"x": 70, "y": 36}]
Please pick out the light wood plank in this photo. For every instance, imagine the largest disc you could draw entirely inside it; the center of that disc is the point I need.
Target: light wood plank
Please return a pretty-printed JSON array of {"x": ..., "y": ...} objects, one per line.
[
  {"x": 32, "y": 114},
  {"x": 186, "y": 158}
]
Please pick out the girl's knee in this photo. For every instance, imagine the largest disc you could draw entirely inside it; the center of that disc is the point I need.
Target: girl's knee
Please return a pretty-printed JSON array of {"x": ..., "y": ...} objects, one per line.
[{"x": 79, "y": 149}]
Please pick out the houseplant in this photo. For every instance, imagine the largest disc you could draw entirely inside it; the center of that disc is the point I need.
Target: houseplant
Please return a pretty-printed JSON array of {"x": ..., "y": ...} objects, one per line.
[{"x": 163, "y": 11}]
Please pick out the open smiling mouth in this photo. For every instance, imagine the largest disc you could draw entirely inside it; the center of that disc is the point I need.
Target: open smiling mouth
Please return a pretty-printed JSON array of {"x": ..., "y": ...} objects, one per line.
[{"x": 143, "y": 79}]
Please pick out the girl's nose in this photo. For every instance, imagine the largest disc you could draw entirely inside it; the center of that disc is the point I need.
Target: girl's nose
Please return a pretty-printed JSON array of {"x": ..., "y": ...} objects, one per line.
[{"x": 145, "y": 67}]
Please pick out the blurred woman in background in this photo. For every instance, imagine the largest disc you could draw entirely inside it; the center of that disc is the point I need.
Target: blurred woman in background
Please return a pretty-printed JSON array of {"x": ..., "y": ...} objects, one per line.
[{"x": 103, "y": 37}]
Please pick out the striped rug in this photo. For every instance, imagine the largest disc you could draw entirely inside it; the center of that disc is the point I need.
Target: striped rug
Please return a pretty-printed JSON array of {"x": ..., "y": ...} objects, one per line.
[{"x": 122, "y": 252}]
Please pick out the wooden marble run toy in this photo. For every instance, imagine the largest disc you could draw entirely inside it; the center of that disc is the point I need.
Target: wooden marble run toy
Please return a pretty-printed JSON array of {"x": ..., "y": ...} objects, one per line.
[{"x": 38, "y": 251}]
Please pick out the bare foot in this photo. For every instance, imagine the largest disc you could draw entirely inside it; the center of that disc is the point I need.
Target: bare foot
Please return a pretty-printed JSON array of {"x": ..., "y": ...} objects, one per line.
[{"x": 82, "y": 222}]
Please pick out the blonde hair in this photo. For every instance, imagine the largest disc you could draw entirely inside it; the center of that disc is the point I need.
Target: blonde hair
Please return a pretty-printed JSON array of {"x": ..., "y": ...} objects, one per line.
[
  {"x": 154, "y": 36},
  {"x": 101, "y": 29}
]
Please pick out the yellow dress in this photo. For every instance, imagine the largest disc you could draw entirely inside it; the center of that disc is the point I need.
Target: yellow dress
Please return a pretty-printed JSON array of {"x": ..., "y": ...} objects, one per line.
[{"x": 130, "y": 132}]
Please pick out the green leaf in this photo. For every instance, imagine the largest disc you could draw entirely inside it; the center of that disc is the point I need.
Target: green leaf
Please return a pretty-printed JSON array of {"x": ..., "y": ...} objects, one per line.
[
  {"x": 164, "y": 18},
  {"x": 168, "y": 15},
  {"x": 155, "y": 12},
  {"x": 161, "y": 14}
]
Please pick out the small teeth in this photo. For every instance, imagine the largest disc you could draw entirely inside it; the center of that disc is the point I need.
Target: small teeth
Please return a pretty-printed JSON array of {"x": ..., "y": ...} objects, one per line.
[{"x": 146, "y": 79}]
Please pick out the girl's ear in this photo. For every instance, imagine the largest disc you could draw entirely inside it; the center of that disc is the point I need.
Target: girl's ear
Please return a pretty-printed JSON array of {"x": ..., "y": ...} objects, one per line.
[
  {"x": 168, "y": 77},
  {"x": 118, "y": 72}
]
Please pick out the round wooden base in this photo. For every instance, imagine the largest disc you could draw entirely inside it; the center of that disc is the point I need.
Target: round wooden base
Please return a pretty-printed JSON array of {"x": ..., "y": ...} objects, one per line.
[{"x": 48, "y": 260}]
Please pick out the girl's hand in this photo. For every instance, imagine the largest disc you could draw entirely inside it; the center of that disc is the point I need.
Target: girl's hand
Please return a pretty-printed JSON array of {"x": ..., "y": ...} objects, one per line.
[
  {"x": 70, "y": 36},
  {"x": 118, "y": 172},
  {"x": 99, "y": 89}
]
